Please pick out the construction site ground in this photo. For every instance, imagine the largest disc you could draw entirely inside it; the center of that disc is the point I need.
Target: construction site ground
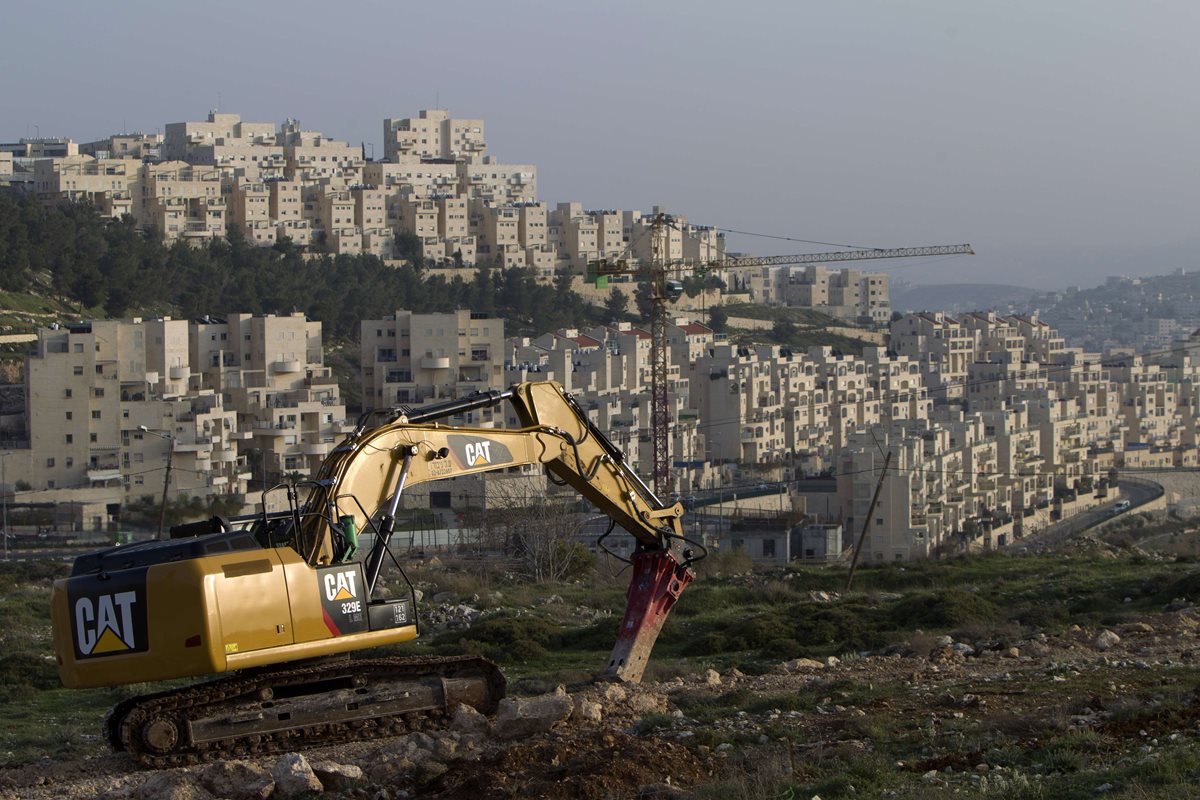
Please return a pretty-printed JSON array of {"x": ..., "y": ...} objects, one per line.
[{"x": 1098, "y": 698}]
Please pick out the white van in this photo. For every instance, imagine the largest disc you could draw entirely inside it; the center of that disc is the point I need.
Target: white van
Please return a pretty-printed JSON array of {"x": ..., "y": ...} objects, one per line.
[{"x": 1120, "y": 505}]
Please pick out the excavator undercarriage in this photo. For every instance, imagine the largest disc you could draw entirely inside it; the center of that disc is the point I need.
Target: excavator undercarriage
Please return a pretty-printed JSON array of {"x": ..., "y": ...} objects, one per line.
[{"x": 304, "y": 705}]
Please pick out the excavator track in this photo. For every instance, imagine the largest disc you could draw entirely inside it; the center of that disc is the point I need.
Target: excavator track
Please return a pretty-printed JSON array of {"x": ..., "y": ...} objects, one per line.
[{"x": 305, "y": 706}]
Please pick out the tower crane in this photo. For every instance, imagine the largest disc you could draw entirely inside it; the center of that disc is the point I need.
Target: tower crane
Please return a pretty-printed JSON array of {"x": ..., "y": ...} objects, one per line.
[{"x": 663, "y": 279}]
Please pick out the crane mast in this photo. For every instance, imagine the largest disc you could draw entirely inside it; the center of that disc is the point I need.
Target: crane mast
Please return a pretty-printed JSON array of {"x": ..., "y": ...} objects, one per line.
[{"x": 663, "y": 290}]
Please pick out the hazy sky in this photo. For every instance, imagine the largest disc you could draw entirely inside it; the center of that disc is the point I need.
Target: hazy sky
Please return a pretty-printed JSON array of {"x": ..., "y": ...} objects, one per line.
[{"x": 1057, "y": 136}]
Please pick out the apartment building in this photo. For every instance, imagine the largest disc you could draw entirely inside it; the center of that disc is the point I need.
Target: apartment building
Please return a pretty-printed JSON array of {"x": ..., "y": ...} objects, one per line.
[
  {"x": 180, "y": 201},
  {"x": 89, "y": 389},
  {"x": 411, "y": 358},
  {"x": 139, "y": 146},
  {"x": 433, "y": 134},
  {"x": 215, "y": 396},
  {"x": 190, "y": 141},
  {"x": 941, "y": 345},
  {"x": 270, "y": 370},
  {"x": 107, "y": 183}
]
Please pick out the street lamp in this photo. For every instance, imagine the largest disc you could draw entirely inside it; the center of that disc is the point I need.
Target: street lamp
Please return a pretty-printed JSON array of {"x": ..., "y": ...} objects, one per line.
[{"x": 162, "y": 511}]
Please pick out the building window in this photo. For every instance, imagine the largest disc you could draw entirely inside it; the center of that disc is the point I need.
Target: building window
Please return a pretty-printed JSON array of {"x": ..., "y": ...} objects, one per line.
[
  {"x": 77, "y": 370},
  {"x": 67, "y": 393},
  {"x": 70, "y": 462},
  {"x": 92, "y": 437},
  {"x": 97, "y": 392},
  {"x": 49, "y": 462},
  {"x": 768, "y": 548},
  {"x": 96, "y": 414},
  {"x": 70, "y": 438}
]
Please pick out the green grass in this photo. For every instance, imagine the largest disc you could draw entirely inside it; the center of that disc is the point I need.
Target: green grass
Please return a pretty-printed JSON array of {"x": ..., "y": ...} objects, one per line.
[{"x": 753, "y": 622}]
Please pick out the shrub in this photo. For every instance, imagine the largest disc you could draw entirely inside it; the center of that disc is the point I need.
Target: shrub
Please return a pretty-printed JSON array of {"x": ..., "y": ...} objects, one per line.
[
  {"x": 503, "y": 638},
  {"x": 943, "y": 609}
]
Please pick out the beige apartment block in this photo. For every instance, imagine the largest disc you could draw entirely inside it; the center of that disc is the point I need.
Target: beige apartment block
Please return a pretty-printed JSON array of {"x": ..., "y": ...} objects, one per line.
[
  {"x": 312, "y": 157},
  {"x": 89, "y": 388},
  {"x": 336, "y": 220},
  {"x": 1042, "y": 343},
  {"x": 433, "y": 135},
  {"x": 703, "y": 244},
  {"x": 414, "y": 358},
  {"x": 459, "y": 250},
  {"x": 108, "y": 183},
  {"x": 183, "y": 140},
  {"x": 137, "y": 146},
  {"x": 497, "y": 234},
  {"x": 416, "y": 180},
  {"x": 848, "y": 294},
  {"x": 898, "y": 527},
  {"x": 49, "y": 147},
  {"x": 943, "y": 347},
  {"x": 575, "y": 235},
  {"x": 181, "y": 201},
  {"x": 379, "y": 242},
  {"x": 532, "y": 224},
  {"x": 638, "y": 234},
  {"x": 452, "y": 219},
  {"x": 419, "y": 217},
  {"x": 370, "y": 211},
  {"x": 249, "y": 205},
  {"x": 287, "y": 403},
  {"x": 499, "y": 184}
]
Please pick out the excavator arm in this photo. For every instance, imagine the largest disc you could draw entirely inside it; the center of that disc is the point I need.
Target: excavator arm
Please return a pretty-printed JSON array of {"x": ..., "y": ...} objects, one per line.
[{"x": 361, "y": 482}]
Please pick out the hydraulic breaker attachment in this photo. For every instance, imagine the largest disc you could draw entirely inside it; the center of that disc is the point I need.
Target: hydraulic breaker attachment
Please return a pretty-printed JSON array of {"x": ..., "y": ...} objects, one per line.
[{"x": 658, "y": 580}]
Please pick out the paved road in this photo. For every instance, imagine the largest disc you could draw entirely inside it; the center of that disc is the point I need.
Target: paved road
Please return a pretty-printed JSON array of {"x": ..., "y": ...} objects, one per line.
[{"x": 1054, "y": 535}]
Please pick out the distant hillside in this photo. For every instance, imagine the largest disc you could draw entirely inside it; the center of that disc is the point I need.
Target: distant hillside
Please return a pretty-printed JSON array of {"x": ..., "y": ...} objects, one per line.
[{"x": 959, "y": 297}]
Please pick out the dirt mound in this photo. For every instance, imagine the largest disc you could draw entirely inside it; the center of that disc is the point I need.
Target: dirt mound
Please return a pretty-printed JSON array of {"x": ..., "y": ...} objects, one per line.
[{"x": 589, "y": 765}]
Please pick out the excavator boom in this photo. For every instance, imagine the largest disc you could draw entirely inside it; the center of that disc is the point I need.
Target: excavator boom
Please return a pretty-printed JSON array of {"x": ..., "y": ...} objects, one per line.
[{"x": 416, "y": 447}]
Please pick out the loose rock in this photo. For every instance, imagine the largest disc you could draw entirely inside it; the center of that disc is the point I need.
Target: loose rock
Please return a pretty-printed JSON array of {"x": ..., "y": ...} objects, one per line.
[
  {"x": 336, "y": 777},
  {"x": 518, "y": 717},
  {"x": 468, "y": 720},
  {"x": 238, "y": 780},
  {"x": 293, "y": 776}
]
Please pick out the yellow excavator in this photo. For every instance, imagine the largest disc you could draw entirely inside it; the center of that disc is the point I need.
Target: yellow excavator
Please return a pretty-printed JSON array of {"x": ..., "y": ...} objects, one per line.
[{"x": 280, "y": 604}]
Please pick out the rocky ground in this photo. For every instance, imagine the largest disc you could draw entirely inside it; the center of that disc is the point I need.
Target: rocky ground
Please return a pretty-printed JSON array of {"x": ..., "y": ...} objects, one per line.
[{"x": 936, "y": 715}]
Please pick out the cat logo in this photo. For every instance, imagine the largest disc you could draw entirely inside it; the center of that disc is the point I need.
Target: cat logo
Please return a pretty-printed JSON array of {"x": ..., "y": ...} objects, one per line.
[
  {"x": 478, "y": 453},
  {"x": 105, "y": 624},
  {"x": 340, "y": 585}
]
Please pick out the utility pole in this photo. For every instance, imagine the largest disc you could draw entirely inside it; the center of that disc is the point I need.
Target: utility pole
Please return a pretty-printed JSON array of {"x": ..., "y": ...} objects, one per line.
[
  {"x": 4, "y": 491},
  {"x": 162, "y": 510},
  {"x": 867, "y": 521}
]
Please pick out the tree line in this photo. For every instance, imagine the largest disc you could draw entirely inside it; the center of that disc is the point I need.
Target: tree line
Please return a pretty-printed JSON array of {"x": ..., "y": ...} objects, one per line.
[{"x": 113, "y": 267}]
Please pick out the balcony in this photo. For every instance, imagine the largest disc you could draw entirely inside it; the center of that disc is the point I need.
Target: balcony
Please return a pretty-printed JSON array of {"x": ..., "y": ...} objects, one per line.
[
  {"x": 435, "y": 362},
  {"x": 179, "y": 373},
  {"x": 279, "y": 427},
  {"x": 287, "y": 365},
  {"x": 316, "y": 448}
]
